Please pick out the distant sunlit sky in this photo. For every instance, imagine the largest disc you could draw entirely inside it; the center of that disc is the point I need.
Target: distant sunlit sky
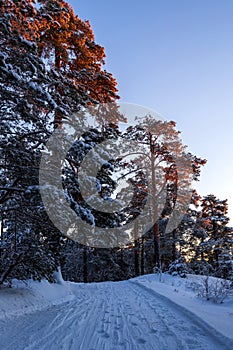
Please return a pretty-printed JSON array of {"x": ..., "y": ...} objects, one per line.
[{"x": 176, "y": 57}]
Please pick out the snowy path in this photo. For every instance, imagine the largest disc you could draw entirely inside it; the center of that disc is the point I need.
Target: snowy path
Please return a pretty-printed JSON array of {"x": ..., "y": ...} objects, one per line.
[{"x": 110, "y": 316}]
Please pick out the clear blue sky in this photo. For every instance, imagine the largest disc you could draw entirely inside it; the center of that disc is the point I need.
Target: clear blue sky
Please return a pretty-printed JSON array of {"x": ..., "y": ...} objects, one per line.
[{"x": 176, "y": 57}]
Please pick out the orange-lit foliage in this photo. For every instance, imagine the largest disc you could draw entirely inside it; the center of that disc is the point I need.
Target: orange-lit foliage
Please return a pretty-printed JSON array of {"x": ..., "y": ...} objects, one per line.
[
  {"x": 71, "y": 41},
  {"x": 22, "y": 16},
  {"x": 67, "y": 45}
]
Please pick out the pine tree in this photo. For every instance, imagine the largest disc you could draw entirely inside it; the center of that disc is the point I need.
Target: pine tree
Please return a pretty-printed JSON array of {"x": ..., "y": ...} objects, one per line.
[
  {"x": 162, "y": 144},
  {"x": 33, "y": 93},
  {"x": 218, "y": 244},
  {"x": 67, "y": 45}
]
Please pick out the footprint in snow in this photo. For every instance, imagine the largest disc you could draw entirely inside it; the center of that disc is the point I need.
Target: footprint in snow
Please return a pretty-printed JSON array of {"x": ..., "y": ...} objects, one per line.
[
  {"x": 141, "y": 341},
  {"x": 106, "y": 335}
]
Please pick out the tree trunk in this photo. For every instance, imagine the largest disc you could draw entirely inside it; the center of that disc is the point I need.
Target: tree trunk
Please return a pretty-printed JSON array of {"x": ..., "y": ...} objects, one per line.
[
  {"x": 174, "y": 245},
  {"x": 58, "y": 115},
  {"x": 85, "y": 279},
  {"x": 136, "y": 250},
  {"x": 156, "y": 234},
  {"x": 156, "y": 259},
  {"x": 202, "y": 253},
  {"x": 142, "y": 257},
  {"x": 136, "y": 257}
]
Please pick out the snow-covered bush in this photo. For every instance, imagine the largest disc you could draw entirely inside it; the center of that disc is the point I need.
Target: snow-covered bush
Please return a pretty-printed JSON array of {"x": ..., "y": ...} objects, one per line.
[
  {"x": 156, "y": 270},
  {"x": 215, "y": 289},
  {"x": 178, "y": 267}
]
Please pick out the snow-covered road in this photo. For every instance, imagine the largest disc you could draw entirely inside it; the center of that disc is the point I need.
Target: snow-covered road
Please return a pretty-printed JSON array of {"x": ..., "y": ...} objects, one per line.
[{"x": 110, "y": 316}]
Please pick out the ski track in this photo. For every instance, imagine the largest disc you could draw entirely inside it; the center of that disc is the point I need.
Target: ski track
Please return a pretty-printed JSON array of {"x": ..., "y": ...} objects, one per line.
[{"x": 109, "y": 316}]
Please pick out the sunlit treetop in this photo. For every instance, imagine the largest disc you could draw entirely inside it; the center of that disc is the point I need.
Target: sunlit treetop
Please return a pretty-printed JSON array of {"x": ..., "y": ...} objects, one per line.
[{"x": 66, "y": 43}]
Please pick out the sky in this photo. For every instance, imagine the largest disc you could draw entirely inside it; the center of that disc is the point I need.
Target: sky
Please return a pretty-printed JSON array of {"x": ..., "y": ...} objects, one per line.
[{"x": 176, "y": 57}]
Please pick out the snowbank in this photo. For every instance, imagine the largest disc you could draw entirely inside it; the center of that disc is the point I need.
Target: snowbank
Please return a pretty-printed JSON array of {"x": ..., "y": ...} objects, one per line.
[
  {"x": 27, "y": 297},
  {"x": 182, "y": 292}
]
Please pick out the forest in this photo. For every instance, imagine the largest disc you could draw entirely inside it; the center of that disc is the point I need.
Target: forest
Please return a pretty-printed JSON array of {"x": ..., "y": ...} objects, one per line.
[{"x": 51, "y": 70}]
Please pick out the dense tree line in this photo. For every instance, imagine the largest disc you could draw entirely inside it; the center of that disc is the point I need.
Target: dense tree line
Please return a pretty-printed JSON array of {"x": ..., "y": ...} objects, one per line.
[
  {"x": 201, "y": 243},
  {"x": 50, "y": 68}
]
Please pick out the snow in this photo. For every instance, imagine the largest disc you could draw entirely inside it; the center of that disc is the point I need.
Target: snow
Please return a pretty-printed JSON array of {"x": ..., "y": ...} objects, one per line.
[
  {"x": 142, "y": 313},
  {"x": 182, "y": 292},
  {"x": 30, "y": 296},
  {"x": 27, "y": 42}
]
